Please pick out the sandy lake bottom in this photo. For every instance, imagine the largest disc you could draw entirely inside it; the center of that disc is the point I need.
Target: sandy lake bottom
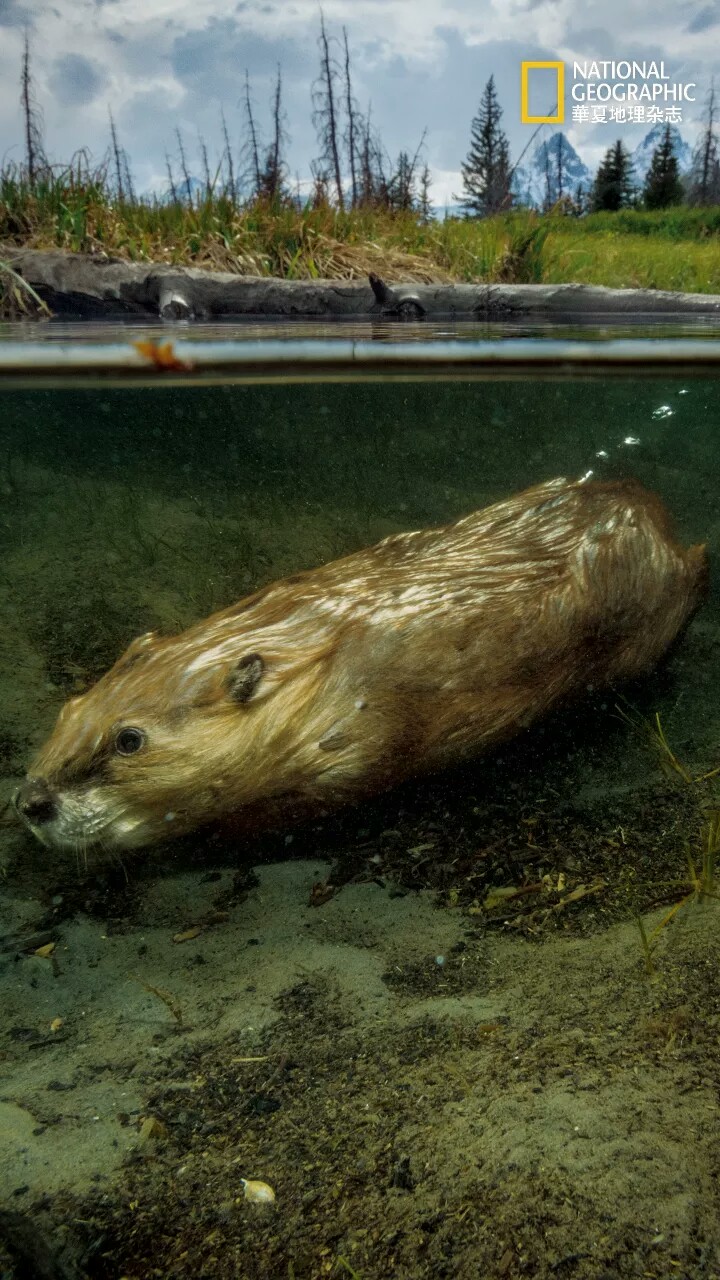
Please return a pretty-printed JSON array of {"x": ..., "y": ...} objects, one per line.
[{"x": 426, "y": 1096}]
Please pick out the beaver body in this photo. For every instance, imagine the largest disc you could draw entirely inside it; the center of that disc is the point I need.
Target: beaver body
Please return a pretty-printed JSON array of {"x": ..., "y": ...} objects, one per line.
[{"x": 401, "y": 658}]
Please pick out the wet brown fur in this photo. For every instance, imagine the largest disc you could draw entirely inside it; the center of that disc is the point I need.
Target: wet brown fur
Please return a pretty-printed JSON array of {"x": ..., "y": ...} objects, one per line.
[{"x": 403, "y": 657}]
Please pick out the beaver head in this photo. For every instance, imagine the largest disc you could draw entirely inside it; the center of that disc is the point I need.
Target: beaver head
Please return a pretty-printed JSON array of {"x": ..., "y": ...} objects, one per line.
[{"x": 181, "y": 731}]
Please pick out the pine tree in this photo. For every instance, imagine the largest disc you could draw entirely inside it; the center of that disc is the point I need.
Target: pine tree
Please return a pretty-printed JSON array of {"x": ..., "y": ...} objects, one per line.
[
  {"x": 402, "y": 185},
  {"x": 662, "y": 183},
  {"x": 425, "y": 209},
  {"x": 486, "y": 171},
  {"x": 613, "y": 187},
  {"x": 580, "y": 201}
]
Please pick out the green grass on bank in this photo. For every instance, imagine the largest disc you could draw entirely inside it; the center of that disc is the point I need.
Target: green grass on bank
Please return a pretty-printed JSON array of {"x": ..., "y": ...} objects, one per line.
[{"x": 672, "y": 249}]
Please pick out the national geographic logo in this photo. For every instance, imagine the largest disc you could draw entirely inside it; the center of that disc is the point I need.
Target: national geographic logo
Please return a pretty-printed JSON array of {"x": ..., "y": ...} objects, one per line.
[
  {"x": 604, "y": 91},
  {"x": 525, "y": 69}
]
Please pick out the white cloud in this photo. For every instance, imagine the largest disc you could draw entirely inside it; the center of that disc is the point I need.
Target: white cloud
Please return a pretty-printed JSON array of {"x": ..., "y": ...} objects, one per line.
[{"x": 173, "y": 63}]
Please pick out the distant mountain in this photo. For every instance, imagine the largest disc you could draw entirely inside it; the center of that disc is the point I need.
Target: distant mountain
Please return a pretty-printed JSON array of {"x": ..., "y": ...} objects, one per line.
[
  {"x": 554, "y": 169},
  {"x": 642, "y": 155},
  {"x": 536, "y": 183}
]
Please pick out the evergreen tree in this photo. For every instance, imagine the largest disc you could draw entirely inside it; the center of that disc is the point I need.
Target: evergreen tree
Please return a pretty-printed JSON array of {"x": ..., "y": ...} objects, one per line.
[
  {"x": 402, "y": 193},
  {"x": 425, "y": 210},
  {"x": 486, "y": 171},
  {"x": 662, "y": 183},
  {"x": 613, "y": 187},
  {"x": 580, "y": 201},
  {"x": 402, "y": 184}
]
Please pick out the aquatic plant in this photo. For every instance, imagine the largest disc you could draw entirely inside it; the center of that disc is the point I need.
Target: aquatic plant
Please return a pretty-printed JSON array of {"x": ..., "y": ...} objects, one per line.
[{"x": 700, "y": 882}]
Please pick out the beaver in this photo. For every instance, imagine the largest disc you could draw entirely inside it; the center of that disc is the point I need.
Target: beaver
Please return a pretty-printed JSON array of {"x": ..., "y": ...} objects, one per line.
[{"x": 334, "y": 683}]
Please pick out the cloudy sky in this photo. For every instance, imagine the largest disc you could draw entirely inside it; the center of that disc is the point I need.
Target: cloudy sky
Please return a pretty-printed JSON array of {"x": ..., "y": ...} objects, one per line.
[{"x": 167, "y": 64}]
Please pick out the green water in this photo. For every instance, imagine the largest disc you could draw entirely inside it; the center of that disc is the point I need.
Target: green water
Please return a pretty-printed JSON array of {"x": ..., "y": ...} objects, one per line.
[
  {"x": 124, "y": 510},
  {"x": 405, "y": 1062}
]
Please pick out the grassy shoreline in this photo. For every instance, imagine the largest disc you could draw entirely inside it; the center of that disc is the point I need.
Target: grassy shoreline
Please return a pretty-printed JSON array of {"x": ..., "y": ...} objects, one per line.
[{"x": 677, "y": 248}]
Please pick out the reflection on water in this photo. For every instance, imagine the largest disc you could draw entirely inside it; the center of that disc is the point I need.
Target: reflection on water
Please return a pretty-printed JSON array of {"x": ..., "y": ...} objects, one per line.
[{"x": 587, "y": 327}]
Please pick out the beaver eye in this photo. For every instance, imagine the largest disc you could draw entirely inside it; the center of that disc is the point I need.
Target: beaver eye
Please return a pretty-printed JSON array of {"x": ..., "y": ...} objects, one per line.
[{"x": 128, "y": 741}]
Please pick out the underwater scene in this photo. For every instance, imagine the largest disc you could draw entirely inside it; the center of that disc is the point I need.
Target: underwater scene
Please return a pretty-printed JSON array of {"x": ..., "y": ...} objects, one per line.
[{"x": 453, "y": 1011}]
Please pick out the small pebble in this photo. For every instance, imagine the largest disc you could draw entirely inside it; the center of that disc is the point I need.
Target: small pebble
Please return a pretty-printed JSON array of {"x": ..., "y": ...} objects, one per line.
[{"x": 258, "y": 1192}]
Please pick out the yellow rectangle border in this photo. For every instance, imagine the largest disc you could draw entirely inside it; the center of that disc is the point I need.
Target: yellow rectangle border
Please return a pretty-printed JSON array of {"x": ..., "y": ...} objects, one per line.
[{"x": 530, "y": 66}]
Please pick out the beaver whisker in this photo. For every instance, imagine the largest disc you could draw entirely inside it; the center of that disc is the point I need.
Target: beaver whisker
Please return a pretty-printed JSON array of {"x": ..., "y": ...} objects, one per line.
[{"x": 114, "y": 857}]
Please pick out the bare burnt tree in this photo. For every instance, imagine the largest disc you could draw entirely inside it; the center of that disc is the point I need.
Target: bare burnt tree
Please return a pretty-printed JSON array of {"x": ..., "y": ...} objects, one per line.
[
  {"x": 382, "y": 174},
  {"x": 705, "y": 171},
  {"x": 230, "y": 185},
  {"x": 32, "y": 117},
  {"x": 320, "y": 196},
  {"x": 253, "y": 143},
  {"x": 118, "y": 159},
  {"x": 183, "y": 166},
  {"x": 129, "y": 185},
  {"x": 120, "y": 163},
  {"x": 366, "y": 183},
  {"x": 548, "y": 201},
  {"x": 209, "y": 184},
  {"x": 326, "y": 114},
  {"x": 171, "y": 180},
  {"x": 351, "y": 126},
  {"x": 272, "y": 178},
  {"x": 373, "y": 182}
]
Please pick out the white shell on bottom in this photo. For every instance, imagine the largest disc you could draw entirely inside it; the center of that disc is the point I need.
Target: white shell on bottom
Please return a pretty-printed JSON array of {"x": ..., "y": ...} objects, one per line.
[{"x": 258, "y": 1192}]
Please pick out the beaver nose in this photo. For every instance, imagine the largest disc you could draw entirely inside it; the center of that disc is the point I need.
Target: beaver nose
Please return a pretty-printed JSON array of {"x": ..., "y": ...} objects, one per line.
[{"x": 35, "y": 802}]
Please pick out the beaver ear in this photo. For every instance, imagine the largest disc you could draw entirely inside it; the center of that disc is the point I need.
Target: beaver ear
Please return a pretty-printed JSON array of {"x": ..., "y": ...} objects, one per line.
[
  {"x": 245, "y": 677},
  {"x": 137, "y": 649}
]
